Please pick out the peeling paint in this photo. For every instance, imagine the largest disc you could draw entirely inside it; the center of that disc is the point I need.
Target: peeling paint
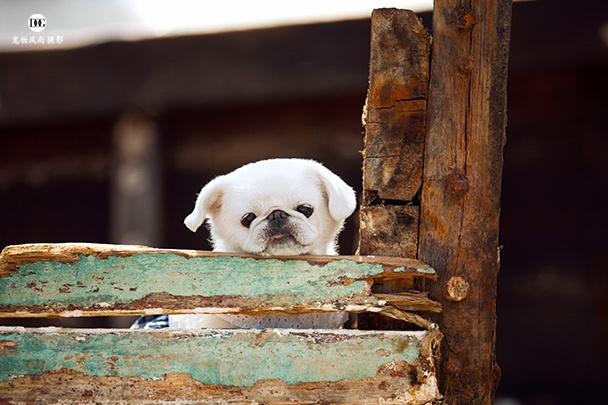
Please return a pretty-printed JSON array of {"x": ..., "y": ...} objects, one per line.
[
  {"x": 97, "y": 282},
  {"x": 225, "y": 357},
  {"x": 111, "y": 281}
]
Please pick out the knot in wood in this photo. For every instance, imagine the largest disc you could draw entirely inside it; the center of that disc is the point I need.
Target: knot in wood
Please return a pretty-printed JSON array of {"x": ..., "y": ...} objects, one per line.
[
  {"x": 465, "y": 64},
  {"x": 463, "y": 18},
  {"x": 457, "y": 184},
  {"x": 453, "y": 366},
  {"x": 457, "y": 289}
]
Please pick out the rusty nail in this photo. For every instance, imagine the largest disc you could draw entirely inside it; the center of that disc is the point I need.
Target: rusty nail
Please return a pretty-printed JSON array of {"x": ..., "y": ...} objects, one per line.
[
  {"x": 457, "y": 289},
  {"x": 457, "y": 184},
  {"x": 463, "y": 17}
]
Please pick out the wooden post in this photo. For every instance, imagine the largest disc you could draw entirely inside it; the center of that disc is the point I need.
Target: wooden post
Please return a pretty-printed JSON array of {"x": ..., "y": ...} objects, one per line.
[
  {"x": 460, "y": 202},
  {"x": 136, "y": 212},
  {"x": 395, "y": 126}
]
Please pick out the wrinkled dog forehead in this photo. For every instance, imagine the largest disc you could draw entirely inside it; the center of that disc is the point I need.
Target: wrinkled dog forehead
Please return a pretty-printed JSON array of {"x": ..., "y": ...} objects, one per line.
[
  {"x": 275, "y": 190},
  {"x": 273, "y": 172}
]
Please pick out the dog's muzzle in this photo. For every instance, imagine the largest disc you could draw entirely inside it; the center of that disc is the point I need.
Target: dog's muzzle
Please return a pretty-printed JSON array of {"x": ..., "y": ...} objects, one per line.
[
  {"x": 277, "y": 219},
  {"x": 279, "y": 227}
]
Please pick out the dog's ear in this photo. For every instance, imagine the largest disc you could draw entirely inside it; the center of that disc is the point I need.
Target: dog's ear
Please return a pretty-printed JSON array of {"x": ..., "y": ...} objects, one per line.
[
  {"x": 209, "y": 201},
  {"x": 341, "y": 198}
]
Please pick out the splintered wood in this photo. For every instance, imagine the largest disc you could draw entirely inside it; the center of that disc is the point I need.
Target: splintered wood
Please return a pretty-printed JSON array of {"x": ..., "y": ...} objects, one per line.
[{"x": 395, "y": 112}]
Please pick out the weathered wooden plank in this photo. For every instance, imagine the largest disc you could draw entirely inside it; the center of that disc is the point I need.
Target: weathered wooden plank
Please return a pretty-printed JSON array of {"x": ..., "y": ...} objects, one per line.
[
  {"x": 460, "y": 203},
  {"x": 54, "y": 365},
  {"x": 68, "y": 280},
  {"x": 395, "y": 111}
]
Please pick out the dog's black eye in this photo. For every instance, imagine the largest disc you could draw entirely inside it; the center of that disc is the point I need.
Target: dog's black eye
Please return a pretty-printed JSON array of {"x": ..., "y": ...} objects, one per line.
[
  {"x": 305, "y": 209},
  {"x": 248, "y": 219}
]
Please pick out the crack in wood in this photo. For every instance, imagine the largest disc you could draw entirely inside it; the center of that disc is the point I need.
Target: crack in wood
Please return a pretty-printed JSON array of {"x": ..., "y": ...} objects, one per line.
[{"x": 414, "y": 101}]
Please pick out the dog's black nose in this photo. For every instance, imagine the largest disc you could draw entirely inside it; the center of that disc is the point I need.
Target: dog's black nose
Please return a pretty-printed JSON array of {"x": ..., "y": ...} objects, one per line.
[{"x": 277, "y": 218}]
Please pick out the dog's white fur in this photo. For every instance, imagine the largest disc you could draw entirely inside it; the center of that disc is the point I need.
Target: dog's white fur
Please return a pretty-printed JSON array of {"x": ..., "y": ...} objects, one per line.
[{"x": 274, "y": 191}]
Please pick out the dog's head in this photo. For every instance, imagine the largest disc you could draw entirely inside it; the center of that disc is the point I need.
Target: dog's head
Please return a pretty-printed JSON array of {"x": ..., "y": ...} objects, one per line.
[{"x": 275, "y": 207}]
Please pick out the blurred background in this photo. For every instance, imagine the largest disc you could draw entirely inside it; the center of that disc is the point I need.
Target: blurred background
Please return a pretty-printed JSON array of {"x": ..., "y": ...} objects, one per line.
[{"x": 116, "y": 113}]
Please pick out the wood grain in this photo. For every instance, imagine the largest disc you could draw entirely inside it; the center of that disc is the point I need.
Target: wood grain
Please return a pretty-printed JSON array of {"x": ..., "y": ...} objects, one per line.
[
  {"x": 395, "y": 111},
  {"x": 460, "y": 203}
]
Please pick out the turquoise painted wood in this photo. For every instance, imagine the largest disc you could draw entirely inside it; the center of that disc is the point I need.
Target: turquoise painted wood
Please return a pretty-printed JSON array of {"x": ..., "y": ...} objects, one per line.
[
  {"x": 224, "y": 357},
  {"x": 76, "y": 280},
  {"x": 54, "y": 365}
]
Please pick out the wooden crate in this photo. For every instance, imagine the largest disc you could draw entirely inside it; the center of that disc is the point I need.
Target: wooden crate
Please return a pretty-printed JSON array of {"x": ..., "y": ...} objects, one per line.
[{"x": 56, "y": 365}]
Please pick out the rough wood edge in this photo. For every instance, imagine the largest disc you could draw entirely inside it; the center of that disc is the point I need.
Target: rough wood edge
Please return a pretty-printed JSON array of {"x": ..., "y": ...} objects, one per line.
[
  {"x": 15, "y": 256},
  {"x": 410, "y": 301},
  {"x": 394, "y": 114},
  {"x": 66, "y": 387}
]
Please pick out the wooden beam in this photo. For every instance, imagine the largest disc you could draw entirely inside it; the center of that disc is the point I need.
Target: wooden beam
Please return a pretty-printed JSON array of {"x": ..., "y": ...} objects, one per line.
[
  {"x": 395, "y": 123},
  {"x": 71, "y": 280},
  {"x": 244, "y": 67},
  {"x": 53, "y": 365},
  {"x": 136, "y": 181},
  {"x": 460, "y": 203}
]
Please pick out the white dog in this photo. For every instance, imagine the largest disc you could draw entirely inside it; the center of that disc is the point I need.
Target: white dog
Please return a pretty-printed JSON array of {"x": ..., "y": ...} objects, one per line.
[{"x": 270, "y": 208}]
